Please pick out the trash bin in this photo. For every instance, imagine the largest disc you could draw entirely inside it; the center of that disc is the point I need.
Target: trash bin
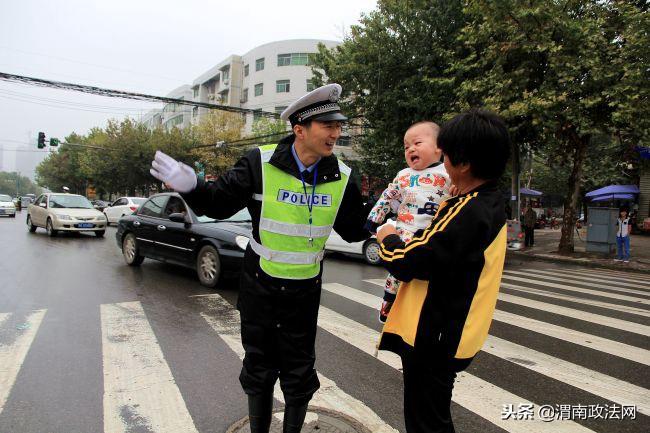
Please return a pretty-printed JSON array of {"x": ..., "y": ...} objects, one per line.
[{"x": 601, "y": 230}]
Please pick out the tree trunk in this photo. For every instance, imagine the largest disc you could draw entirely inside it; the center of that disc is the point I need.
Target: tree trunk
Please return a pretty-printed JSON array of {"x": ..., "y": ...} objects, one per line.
[{"x": 575, "y": 180}]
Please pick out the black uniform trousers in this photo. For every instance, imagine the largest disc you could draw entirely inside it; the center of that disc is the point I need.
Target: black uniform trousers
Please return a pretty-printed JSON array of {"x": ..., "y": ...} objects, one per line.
[
  {"x": 427, "y": 393},
  {"x": 278, "y": 330},
  {"x": 529, "y": 236}
]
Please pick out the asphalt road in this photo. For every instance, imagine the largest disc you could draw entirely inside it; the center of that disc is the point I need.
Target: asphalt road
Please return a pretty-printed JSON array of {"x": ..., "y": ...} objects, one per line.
[{"x": 88, "y": 344}]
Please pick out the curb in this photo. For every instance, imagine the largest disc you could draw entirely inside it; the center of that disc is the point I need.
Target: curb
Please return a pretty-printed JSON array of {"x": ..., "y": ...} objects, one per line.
[{"x": 574, "y": 261}]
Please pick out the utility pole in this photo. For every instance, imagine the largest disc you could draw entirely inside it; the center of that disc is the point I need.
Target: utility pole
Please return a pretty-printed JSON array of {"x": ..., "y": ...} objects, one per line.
[{"x": 514, "y": 186}]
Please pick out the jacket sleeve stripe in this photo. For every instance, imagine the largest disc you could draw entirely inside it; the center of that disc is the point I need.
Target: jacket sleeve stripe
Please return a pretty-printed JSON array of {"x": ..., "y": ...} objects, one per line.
[{"x": 399, "y": 253}]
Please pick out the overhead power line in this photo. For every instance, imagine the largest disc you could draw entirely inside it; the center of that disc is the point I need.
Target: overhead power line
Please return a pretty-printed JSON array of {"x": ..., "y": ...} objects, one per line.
[{"x": 111, "y": 93}]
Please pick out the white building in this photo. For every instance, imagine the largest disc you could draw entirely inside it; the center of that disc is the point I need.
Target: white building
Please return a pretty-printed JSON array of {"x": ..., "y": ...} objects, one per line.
[{"x": 267, "y": 78}]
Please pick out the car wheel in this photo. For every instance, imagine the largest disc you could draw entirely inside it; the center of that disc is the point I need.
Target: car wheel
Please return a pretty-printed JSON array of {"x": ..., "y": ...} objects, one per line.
[
  {"x": 371, "y": 252},
  {"x": 13, "y": 216},
  {"x": 208, "y": 266},
  {"x": 130, "y": 250},
  {"x": 100, "y": 233},
  {"x": 30, "y": 226},
  {"x": 49, "y": 228}
]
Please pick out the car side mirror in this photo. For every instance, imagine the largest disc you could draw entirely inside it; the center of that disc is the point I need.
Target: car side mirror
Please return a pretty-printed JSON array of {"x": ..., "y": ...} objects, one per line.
[
  {"x": 178, "y": 217},
  {"x": 43, "y": 205}
]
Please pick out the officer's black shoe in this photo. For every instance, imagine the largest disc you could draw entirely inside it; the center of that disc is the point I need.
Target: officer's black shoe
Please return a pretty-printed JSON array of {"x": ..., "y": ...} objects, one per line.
[
  {"x": 260, "y": 408},
  {"x": 294, "y": 417}
]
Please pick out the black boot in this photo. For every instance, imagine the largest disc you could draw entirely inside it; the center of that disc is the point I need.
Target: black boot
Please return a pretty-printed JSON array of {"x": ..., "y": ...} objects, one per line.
[
  {"x": 260, "y": 408},
  {"x": 294, "y": 417}
]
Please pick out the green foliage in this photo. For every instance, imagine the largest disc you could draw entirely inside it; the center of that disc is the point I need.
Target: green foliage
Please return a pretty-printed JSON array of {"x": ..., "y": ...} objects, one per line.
[
  {"x": 273, "y": 130},
  {"x": 11, "y": 183},
  {"x": 213, "y": 127}
]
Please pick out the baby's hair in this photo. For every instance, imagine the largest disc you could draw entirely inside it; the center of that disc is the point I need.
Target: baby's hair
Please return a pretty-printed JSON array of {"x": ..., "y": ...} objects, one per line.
[{"x": 435, "y": 129}]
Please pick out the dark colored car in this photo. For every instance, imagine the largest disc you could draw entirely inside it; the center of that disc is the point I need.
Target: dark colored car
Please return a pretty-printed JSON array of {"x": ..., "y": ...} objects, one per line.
[{"x": 165, "y": 228}]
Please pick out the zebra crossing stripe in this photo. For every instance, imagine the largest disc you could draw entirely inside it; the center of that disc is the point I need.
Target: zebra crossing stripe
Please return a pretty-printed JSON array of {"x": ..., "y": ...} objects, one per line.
[
  {"x": 224, "y": 319},
  {"x": 471, "y": 392},
  {"x": 556, "y": 368},
  {"x": 575, "y": 375},
  {"x": 578, "y": 289},
  {"x": 620, "y": 278},
  {"x": 615, "y": 282},
  {"x": 605, "y": 287},
  {"x": 140, "y": 393},
  {"x": 577, "y": 314},
  {"x": 621, "y": 350},
  {"x": 555, "y": 295},
  {"x": 16, "y": 341},
  {"x": 611, "y": 347}
]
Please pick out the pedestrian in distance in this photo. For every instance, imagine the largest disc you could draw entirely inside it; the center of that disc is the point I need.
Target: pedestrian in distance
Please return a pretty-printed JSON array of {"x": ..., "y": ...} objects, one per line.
[
  {"x": 450, "y": 272},
  {"x": 296, "y": 192},
  {"x": 530, "y": 217},
  {"x": 623, "y": 230},
  {"x": 414, "y": 195}
]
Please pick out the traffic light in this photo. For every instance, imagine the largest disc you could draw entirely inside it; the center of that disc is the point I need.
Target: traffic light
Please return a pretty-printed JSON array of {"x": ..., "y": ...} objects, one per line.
[
  {"x": 54, "y": 141},
  {"x": 41, "y": 140}
]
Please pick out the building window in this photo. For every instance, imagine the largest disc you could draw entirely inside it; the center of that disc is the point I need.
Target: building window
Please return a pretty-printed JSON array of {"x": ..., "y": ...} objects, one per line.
[
  {"x": 257, "y": 115},
  {"x": 282, "y": 86},
  {"x": 259, "y": 64},
  {"x": 259, "y": 89},
  {"x": 245, "y": 70},
  {"x": 280, "y": 109},
  {"x": 195, "y": 111},
  {"x": 310, "y": 85},
  {"x": 225, "y": 72},
  {"x": 294, "y": 59},
  {"x": 196, "y": 92},
  {"x": 244, "y": 96}
]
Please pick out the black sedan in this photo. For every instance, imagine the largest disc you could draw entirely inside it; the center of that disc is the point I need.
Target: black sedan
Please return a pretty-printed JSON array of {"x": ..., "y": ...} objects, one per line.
[{"x": 165, "y": 228}]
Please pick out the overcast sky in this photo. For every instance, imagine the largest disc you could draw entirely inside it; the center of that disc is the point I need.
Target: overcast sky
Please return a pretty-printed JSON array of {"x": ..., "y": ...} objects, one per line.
[{"x": 145, "y": 46}]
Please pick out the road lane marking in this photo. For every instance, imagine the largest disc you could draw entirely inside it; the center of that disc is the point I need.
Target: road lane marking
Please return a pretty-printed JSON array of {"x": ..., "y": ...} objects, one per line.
[
  {"x": 578, "y": 289},
  {"x": 575, "y": 375},
  {"x": 139, "y": 390},
  {"x": 225, "y": 320},
  {"x": 555, "y": 295},
  {"x": 625, "y": 276},
  {"x": 476, "y": 395},
  {"x": 577, "y": 314},
  {"x": 605, "y": 345},
  {"x": 616, "y": 278},
  {"x": 590, "y": 284},
  {"x": 14, "y": 345},
  {"x": 616, "y": 282}
]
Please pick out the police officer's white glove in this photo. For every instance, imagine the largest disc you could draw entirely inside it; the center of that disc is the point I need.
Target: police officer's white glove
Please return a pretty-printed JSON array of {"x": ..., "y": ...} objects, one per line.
[{"x": 178, "y": 176}]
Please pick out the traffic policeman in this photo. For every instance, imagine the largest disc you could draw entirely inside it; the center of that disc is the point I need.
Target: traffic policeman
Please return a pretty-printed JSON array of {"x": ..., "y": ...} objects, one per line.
[{"x": 296, "y": 192}]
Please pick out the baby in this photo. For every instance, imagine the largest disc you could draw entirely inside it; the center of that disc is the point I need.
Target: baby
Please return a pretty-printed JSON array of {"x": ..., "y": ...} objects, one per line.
[{"x": 414, "y": 195}]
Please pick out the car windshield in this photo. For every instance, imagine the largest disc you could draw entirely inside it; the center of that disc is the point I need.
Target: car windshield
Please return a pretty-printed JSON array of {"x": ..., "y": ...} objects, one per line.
[
  {"x": 70, "y": 201},
  {"x": 138, "y": 201},
  {"x": 4, "y": 197},
  {"x": 239, "y": 217}
]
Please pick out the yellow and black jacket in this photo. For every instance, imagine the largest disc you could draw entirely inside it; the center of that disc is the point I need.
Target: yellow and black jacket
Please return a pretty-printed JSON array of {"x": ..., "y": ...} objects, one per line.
[{"x": 451, "y": 273}]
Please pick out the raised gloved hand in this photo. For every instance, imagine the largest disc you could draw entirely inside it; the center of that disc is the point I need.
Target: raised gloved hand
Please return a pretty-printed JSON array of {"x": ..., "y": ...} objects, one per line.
[{"x": 178, "y": 176}]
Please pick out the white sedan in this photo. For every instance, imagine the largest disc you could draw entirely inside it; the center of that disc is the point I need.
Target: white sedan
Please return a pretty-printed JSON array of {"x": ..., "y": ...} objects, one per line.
[
  {"x": 122, "y": 206},
  {"x": 61, "y": 212},
  {"x": 369, "y": 248},
  {"x": 7, "y": 206}
]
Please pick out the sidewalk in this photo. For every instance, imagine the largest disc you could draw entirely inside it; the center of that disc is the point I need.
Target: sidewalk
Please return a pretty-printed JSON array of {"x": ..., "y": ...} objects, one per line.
[{"x": 547, "y": 241}]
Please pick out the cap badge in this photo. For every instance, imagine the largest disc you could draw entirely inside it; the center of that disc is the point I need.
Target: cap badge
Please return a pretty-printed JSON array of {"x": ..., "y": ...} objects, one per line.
[{"x": 334, "y": 95}]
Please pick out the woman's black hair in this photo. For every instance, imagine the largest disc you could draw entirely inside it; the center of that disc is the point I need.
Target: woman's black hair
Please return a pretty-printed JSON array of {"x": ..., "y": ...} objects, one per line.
[{"x": 479, "y": 138}]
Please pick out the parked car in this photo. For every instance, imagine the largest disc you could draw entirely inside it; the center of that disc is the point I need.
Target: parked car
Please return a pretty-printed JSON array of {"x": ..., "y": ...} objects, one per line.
[
  {"x": 62, "y": 212},
  {"x": 164, "y": 228},
  {"x": 7, "y": 206},
  {"x": 515, "y": 236},
  {"x": 26, "y": 201},
  {"x": 368, "y": 249},
  {"x": 122, "y": 206}
]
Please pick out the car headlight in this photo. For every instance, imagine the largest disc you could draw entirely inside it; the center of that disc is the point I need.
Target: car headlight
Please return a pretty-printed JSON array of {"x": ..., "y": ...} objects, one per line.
[
  {"x": 242, "y": 242},
  {"x": 64, "y": 217}
]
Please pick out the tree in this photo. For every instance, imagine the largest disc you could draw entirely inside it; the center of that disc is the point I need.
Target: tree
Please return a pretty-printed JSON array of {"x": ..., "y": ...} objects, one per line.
[
  {"x": 214, "y": 127},
  {"x": 393, "y": 67},
  {"x": 271, "y": 131},
  {"x": 11, "y": 183},
  {"x": 549, "y": 67}
]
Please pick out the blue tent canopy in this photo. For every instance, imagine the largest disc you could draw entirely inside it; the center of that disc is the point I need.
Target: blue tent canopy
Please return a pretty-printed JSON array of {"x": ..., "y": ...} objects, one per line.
[
  {"x": 612, "y": 190},
  {"x": 608, "y": 197},
  {"x": 530, "y": 192}
]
